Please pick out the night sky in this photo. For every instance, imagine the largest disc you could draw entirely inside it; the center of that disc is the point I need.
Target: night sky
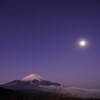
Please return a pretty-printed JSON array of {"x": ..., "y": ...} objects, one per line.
[{"x": 42, "y": 37}]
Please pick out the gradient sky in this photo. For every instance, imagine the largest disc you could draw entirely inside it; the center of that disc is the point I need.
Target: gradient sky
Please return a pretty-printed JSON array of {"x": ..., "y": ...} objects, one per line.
[{"x": 42, "y": 37}]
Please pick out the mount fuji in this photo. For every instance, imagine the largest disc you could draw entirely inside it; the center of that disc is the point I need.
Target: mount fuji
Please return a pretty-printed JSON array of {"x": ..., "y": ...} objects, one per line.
[{"x": 34, "y": 83}]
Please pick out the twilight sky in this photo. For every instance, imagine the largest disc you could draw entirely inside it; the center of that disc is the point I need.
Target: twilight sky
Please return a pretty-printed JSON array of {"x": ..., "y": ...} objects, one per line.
[{"x": 42, "y": 37}]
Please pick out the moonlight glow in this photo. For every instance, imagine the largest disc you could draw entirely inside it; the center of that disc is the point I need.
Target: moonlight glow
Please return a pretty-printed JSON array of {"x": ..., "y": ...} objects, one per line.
[{"x": 82, "y": 43}]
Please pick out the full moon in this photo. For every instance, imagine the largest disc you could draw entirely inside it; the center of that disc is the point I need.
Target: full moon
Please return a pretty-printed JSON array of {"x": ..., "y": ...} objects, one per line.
[{"x": 82, "y": 43}]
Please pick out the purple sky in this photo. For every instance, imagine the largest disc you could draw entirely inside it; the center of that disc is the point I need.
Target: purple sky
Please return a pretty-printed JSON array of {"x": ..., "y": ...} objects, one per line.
[{"x": 41, "y": 37}]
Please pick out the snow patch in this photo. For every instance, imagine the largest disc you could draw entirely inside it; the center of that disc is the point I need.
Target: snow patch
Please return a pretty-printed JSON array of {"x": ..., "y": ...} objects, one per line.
[{"x": 32, "y": 77}]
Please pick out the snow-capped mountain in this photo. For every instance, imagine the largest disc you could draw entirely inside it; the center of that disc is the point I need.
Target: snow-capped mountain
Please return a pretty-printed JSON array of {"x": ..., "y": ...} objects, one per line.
[
  {"x": 32, "y": 82},
  {"x": 36, "y": 84}
]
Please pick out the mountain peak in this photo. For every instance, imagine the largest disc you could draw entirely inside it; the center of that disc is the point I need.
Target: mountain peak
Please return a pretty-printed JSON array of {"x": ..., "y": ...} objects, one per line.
[{"x": 32, "y": 77}]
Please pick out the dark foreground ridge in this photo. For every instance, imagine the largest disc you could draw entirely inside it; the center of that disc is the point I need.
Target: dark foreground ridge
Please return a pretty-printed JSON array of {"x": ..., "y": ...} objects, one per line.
[{"x": 7, "y": 94}]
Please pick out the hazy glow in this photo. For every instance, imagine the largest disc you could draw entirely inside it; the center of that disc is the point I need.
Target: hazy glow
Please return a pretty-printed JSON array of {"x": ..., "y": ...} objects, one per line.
[{"x": 82, "y": 43}]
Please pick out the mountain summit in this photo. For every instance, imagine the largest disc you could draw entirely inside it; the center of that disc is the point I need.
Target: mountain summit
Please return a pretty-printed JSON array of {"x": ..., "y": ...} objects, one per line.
[{"x": 32, "y": 77}]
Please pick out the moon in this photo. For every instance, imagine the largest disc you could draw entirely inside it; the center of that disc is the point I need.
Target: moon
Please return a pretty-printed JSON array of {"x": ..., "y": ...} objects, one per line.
[{"x": 82, "y": 43}]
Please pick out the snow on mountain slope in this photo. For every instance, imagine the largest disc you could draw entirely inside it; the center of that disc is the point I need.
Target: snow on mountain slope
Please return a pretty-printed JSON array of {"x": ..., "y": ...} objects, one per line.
[{"x": 32, "y": 77}]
